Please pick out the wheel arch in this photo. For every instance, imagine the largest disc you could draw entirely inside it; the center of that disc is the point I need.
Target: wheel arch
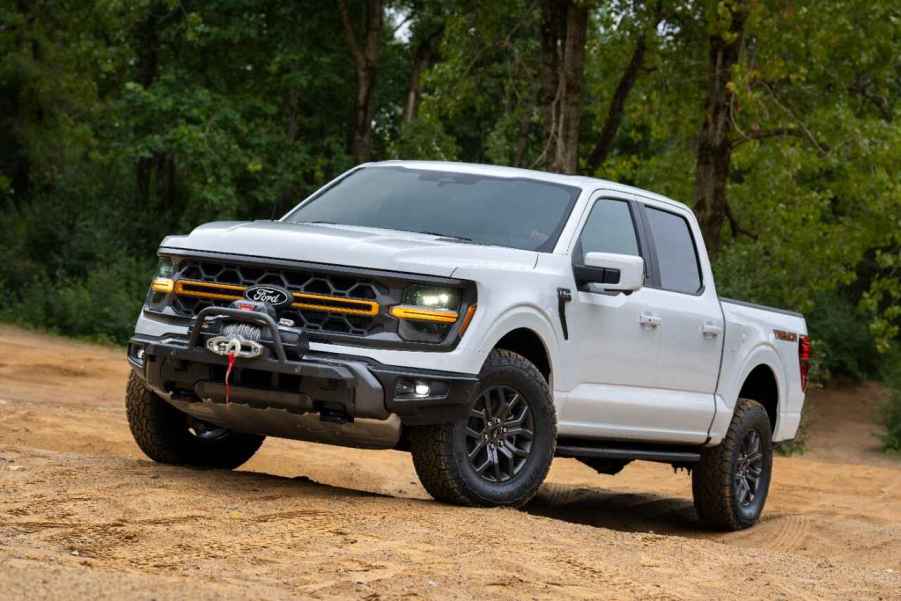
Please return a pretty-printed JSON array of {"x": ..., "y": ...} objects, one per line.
[
  {"x": 528, "y": 332},
  {"x": 760, "y": 384},
  {"x": 526, "y": 342}
]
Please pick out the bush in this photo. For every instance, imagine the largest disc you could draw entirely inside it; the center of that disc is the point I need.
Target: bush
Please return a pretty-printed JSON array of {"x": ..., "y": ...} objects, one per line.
[
  {"x": 843, "y": 344},
  {"x": 102, "y": 306},
  {"x": 891, "y": 409}
]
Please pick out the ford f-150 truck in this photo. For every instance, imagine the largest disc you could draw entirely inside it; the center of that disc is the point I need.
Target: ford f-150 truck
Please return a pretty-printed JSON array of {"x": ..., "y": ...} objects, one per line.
[{"x": 485, "y": 319}]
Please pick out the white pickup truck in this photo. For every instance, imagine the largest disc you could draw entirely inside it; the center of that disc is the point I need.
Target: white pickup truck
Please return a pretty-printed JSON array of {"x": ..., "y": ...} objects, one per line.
[{"x": 486, "y": 319}]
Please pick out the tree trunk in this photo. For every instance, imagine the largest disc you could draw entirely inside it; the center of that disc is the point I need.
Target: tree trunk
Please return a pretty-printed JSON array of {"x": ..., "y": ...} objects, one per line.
[
  {"x": 567, "y": 155},
  {"x": 563, "y": 34},
  {"x": 615, "y": 111},
  {"x": 366, "y": 63},
  {"x": 714, "y": 145},
  {"x": 147, "y": 42},
  {"x": 552, "y": 30},
  {"x": 422, "y": 59}
]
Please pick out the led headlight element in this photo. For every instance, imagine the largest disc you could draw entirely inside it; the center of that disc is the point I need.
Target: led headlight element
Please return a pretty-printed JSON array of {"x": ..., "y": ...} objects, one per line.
[
  {"x": 165, "y": 268},
  {"x": 447, "y": 299},
  {"x": 438, "y": 305}
]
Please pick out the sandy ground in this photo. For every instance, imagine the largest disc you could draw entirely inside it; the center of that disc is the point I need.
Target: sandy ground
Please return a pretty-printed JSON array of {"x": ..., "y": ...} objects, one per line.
[{"x": 83, "y": 515}]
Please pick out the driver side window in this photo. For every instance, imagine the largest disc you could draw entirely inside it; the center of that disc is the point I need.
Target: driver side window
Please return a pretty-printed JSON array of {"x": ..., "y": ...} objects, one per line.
[{"x": 609, "y": 229}]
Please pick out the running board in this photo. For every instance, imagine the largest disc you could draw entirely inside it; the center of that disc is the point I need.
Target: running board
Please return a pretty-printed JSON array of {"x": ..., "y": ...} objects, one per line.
[{"x": 629, "y": 454}]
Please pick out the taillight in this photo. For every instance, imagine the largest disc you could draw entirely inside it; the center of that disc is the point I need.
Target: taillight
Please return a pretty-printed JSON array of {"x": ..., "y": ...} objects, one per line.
[{"x": 804, "y": 359}]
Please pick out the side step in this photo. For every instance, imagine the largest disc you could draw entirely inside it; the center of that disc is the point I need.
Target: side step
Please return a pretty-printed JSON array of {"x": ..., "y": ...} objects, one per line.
[{"x": 622, "y": 453}]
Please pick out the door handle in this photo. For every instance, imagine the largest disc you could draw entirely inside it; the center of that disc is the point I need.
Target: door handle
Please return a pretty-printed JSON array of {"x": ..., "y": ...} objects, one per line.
[
  {"x": 711, "y": 330},
  {"x": 649, "y": 320}
]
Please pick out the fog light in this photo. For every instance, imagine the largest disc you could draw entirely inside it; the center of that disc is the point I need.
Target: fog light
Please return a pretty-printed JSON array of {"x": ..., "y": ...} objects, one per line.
[{"x": 410, "y": 389}]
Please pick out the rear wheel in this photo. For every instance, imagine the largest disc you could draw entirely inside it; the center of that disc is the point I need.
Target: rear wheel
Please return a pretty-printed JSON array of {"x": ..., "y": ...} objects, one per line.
[
  {"x": 731, "y": 482},
  {"x": 501, "y": 453},
  {"x": 167, "y": 435}
]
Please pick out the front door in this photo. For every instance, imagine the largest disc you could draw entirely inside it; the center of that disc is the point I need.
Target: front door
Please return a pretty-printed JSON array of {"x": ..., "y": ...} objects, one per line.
[{"x": 614, "y": 346}]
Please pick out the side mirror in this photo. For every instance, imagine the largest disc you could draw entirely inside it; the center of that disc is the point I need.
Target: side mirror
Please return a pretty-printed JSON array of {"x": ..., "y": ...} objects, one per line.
[{"x": 610, "y": 272}]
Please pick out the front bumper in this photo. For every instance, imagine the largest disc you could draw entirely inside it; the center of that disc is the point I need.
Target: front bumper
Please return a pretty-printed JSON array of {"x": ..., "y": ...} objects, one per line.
[{"x": 288, "y": 381}]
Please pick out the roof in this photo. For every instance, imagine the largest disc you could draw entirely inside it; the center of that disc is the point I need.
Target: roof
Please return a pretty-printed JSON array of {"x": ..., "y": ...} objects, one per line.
[{"x": 580, "y": 181}]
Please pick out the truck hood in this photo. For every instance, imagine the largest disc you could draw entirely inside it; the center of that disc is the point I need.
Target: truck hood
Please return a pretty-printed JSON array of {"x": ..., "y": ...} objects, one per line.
[{"x": 349, "y": 246}]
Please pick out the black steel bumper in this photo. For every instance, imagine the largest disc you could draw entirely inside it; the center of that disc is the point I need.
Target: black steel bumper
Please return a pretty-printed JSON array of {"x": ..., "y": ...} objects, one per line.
[{"x": 288, "y": 377}]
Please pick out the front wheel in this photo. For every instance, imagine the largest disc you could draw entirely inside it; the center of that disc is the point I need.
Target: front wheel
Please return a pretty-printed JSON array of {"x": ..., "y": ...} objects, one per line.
[
  {"x": 731, "y": 482},
  {"x": 502, "y": 452},
  {"x": 167, "y": 435}
]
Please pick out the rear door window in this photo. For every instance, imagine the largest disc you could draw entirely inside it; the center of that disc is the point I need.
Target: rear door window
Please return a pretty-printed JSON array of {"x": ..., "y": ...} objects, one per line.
[{"x": 677, "y": 256}]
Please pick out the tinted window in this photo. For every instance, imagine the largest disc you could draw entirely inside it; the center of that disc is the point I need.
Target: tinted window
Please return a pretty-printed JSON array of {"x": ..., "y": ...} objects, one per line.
[
  {"x": 515, "y": 212},
  {"x": 610, "y": 229},
  {"x": 676, "y": 254}
]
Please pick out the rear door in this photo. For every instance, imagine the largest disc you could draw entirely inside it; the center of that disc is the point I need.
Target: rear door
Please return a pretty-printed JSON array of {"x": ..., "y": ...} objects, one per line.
[{"x": 689, "y": 317}]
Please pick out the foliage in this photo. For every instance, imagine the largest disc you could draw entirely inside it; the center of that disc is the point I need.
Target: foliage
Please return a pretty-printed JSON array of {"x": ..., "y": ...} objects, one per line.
[
  {"x": 121, "y": 122},
  {"x": 891, "y": 410}
]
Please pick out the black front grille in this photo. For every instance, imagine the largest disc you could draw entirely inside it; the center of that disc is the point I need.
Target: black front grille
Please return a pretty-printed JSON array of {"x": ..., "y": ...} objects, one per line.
[{"x": 330, "y": 299}]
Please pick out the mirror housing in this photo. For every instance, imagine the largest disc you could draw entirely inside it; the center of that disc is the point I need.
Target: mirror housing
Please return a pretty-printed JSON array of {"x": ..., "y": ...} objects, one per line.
[{"x": 610, "y": 272}]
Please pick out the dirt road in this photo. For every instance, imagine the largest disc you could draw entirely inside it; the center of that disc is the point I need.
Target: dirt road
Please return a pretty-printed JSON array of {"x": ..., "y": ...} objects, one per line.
[{"x": 83, "y": 515}]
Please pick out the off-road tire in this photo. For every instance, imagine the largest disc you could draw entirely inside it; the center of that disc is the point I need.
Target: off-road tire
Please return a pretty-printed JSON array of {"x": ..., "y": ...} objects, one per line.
[
  {"x": 439, "y": 452},
  {"x": 713, "y": 478},
  {"x": 163, "y": 433}
]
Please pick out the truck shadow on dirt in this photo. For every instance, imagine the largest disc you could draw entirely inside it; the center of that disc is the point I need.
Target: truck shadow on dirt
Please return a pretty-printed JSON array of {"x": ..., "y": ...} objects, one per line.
[
  {"x": 597, "y": 507},
  {"x": 626, "y": 512}
]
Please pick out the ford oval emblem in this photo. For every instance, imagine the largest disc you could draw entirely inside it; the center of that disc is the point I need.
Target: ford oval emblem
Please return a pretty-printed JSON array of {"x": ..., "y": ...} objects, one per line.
[{"x": 272, "y": 295}]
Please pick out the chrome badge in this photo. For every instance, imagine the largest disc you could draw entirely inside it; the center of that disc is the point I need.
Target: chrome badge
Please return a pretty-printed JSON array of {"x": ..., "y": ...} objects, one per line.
[{"x": 271, "y": 295}]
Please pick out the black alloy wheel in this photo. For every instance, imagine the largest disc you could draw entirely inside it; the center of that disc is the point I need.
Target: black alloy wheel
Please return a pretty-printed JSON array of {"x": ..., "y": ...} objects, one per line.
[
  {"x": 499, "y": 434},
  {"x": 748, "y": 469}
]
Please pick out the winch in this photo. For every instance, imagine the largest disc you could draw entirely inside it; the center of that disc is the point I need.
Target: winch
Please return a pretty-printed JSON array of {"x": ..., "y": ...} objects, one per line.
[{"x": 238, "y": 339}]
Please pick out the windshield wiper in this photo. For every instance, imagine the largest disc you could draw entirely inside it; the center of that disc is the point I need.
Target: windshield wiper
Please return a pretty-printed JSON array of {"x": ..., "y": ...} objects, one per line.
[{"x": 448, "y": 236}]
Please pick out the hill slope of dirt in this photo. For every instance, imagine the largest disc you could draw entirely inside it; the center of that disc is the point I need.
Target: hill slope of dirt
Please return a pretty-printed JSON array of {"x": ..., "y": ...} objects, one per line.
[{"x": 83, "y": 515}]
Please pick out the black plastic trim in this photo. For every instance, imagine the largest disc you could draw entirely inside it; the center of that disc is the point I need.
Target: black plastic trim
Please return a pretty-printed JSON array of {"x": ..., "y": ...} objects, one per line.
[
  {"x": 564, "y": 296},
  {"x": 627, "y": 450},
  {"x": 414, "y": 412},
  {"x": 173, "y": 358},
  {"x": 630, "y": 454}
]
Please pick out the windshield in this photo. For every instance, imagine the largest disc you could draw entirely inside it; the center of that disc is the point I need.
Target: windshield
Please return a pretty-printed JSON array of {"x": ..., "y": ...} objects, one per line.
[{"x": 514, "y": 212}]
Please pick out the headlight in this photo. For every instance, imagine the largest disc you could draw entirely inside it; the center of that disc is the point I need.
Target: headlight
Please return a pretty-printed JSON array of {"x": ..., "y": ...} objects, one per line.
[
  {"x": 162, "y": 283},
  {"x": 166, "y": 268},
  {"x": 436, "y": 305},
  {"x": 427, "y": 313}
]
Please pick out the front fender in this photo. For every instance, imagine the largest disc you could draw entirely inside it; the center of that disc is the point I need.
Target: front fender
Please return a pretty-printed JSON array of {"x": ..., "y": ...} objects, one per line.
[{"x": 525, "y": 316}]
